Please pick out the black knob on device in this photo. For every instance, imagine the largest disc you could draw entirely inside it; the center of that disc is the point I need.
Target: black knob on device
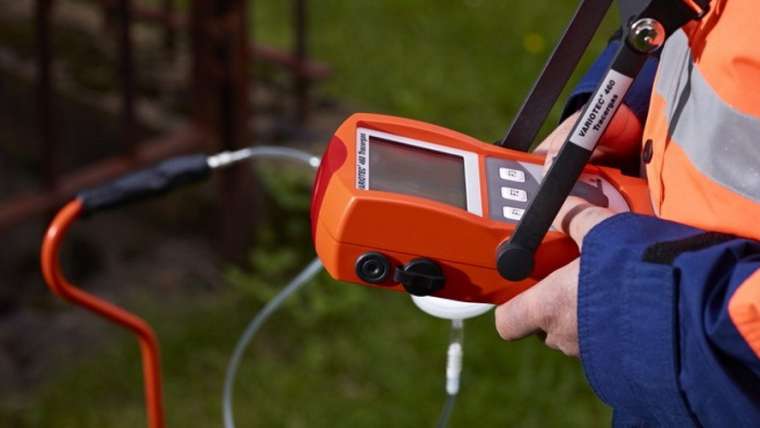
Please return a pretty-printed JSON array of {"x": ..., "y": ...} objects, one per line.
[
  {"x": 421, "y": 277},
  {"x": 514, "y": 262},
  {"x": 373, "y": 268}
]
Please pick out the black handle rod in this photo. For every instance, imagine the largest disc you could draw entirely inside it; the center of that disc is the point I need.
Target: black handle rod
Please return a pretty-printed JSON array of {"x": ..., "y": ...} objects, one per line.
[
  {"x": 557, "y": 71},
  {"x": 515, "y": 259},
  {"x": 646, "y": 33}
]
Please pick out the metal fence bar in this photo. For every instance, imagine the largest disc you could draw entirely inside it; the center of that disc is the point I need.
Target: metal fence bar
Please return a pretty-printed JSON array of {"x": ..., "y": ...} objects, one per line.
[
  {"x": 222, "y": 82},
  {"x": 170, "y": 32},
  {"x": 173, "y": 21},
  {"x": 221, "y": 86},
  {"x": 44, "y": 93},
  {"x": 239, "y": 214},
  {"x": 301, "y": 82},
  {"x": 18, "y": 208},
  {"x": 126, "y": 74}
]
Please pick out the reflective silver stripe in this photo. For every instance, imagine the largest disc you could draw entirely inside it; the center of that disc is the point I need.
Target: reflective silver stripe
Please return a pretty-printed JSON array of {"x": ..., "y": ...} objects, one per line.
[{"x": 721, "y": 142}]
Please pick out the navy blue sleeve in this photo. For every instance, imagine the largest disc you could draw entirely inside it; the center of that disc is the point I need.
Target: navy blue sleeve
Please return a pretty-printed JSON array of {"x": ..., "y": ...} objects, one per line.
[
  {"x": 637, "y": 98},
  {"x": 656, "y": 341}
]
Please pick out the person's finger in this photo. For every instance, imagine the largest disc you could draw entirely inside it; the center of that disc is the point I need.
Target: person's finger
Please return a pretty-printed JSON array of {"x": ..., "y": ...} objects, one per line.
[
  {"x": 619, "y": 142},
  {"x": 577, "y": 217},
  {"x": 549, "y": 160},
  {"x": 521, "y": 316}
]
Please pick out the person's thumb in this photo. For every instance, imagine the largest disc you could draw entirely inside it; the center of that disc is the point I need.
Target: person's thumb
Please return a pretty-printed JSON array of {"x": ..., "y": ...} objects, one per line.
[
  {"x": 577, "y": 217},
  {"x": 521, "y": 316}
]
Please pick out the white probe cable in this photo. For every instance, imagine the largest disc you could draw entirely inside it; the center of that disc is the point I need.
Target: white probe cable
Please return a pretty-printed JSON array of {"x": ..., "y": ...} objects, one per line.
[
  {"x": 222, "y": 160},
  {"x": 457, "y": 312},
  {"x": 453, "y": 371},
  {"x": 250, "y": 331}
]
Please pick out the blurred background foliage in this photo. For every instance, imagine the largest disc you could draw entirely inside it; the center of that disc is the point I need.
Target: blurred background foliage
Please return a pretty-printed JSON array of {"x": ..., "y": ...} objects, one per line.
[{"x": 342, "y": 355}]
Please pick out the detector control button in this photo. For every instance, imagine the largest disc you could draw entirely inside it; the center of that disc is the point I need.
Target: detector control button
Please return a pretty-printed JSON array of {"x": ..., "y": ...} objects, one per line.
[
  {"x": 512, "y": 213},
  {"x": 513, "y": 194},
  {"x": 512, "y": 175}
]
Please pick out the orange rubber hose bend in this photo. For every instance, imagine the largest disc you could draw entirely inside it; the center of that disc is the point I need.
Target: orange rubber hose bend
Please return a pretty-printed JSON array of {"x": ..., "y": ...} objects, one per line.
[{"x": 51, "y": 270}]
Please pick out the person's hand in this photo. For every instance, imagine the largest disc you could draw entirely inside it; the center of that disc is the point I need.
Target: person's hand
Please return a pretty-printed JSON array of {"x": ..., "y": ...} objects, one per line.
[
  {"x": 619, "y": 143},
  {"x": 551, "y": 306}
]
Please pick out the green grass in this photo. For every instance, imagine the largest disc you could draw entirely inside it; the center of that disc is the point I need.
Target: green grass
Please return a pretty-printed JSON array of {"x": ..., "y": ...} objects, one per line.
[
  {"x": 465, "y": 64},
  {"x": 341, "y": 355},
  {"x": 374, "y": 361}
]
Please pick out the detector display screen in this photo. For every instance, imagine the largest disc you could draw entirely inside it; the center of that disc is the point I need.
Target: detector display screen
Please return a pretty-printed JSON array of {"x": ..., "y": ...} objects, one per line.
[{"x": 416, "y": 171}]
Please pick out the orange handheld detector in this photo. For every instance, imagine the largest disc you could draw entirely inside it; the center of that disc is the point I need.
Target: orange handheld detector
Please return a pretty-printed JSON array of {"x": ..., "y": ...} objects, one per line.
[{"x": 402, "y": 204}]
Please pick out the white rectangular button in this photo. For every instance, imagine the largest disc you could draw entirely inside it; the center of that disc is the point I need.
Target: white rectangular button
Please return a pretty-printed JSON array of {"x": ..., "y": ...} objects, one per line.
[
  {"x": 513, "y": 213},
  {"x": 512, "y": 175},
  {"x": 513, "y": 194}
]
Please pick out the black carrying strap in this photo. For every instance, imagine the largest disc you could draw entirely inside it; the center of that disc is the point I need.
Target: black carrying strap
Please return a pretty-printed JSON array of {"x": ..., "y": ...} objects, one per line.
[
  {"x": 631, "y": 8},
  {"x": 557, "y": 71},
  {"x": 661, "y": 18},
  {"x": 564, "y": 60}
]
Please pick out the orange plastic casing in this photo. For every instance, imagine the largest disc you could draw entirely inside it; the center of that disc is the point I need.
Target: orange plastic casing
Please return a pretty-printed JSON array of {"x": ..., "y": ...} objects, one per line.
[{"x": 348, "y": 222}]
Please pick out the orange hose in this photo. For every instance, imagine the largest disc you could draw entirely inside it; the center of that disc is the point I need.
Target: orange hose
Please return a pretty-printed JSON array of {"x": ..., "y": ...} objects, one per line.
[{"x": 51, "y": 270}]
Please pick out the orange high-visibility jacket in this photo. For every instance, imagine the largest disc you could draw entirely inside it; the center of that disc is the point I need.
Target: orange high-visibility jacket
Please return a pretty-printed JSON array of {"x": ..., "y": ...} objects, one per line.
[{"x": 669, "y": 307}]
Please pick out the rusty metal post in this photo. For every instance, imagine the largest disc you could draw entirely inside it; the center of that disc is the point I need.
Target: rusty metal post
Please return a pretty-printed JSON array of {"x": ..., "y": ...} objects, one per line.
[
  {"x": 300, "y": 78},
  {"x": 202, "y": 71},
  {"x": 170, "y": 30},
  {"x": 126, "y": 74},
  {"x": 219, "y": 34},
  {"x": 44, "y": 93},
  {"x": 106, "y": 14}
]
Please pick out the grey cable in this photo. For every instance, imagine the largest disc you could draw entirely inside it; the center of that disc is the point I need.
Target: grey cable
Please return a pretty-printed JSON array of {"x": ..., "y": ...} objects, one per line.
[
  {"x": 252, "y": 328},
  {"x": 453, "y": 371},
  {"x": 224, "y": 159},
  {"x": 448, "y": 407}
]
